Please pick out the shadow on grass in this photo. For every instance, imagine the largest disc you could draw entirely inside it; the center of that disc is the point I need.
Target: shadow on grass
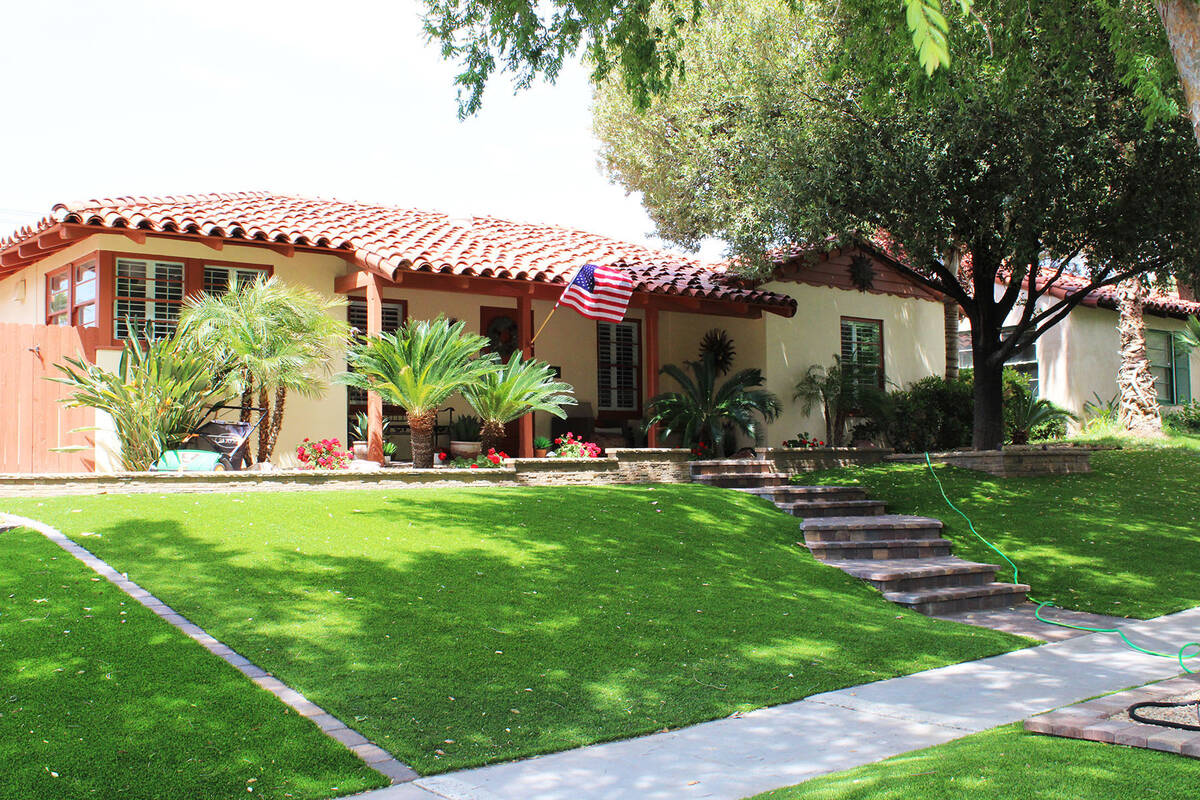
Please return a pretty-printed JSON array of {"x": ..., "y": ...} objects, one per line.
[{"x": 461, "y": 627}]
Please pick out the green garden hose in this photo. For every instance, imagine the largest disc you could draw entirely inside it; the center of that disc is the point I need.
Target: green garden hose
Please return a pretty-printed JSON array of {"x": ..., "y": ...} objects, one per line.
[{"x": 1181, "y": 656}]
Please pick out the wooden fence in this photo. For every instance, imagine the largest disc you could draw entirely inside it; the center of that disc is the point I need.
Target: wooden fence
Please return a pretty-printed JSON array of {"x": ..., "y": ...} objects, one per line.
[{"x": 32, "y": 420}]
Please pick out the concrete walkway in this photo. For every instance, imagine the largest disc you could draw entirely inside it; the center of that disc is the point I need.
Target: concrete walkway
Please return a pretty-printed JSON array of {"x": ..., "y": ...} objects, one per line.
[{"x": 767, "y": 749}]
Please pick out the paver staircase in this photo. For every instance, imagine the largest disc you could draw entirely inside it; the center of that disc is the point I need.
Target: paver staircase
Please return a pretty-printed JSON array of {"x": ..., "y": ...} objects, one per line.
[{"x": 904, "y": 557}]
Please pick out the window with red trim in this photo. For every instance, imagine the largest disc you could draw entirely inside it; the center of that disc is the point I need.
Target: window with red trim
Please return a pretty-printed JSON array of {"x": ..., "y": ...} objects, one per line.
[{"x": 71, "y": 295}]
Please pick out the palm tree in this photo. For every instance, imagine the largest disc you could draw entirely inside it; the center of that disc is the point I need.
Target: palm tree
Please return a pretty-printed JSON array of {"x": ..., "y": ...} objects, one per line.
[
  {"x": 699, "y": 412},
  {"x": 513, "y": 390},
  {"x": 159, "y": 393},
  {"x": 833, "y": 388},
  {"x": 418, "y": 368},
  {"x": 274, "y": 338},
  {"x": 1189, "y": 337},
  {"x": 1139, "y": 412}
]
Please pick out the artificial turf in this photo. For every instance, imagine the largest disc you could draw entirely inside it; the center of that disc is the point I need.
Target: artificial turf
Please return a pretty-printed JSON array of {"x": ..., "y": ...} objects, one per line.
[
  {"x": 99, "y": 698},
  {"x": 457, "y": 627},
  {"x": 1121, "y": 540},
  {"x": 1009, "y": 764}
]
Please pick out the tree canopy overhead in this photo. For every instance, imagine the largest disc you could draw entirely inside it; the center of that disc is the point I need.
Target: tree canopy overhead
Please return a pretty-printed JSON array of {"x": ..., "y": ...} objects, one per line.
[{"x": 1031, "y": 154}]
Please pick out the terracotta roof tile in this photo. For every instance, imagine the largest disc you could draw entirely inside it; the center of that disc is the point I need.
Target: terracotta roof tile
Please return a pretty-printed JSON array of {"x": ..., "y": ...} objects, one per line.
[{"x": 391, "y": 240}]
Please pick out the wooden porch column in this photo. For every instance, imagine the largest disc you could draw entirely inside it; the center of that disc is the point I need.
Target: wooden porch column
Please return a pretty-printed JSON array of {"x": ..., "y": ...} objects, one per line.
[
  {"x": 374, "y": 401},
  {"x": 652, "y": 367},
  {"x": 525, "y": 332}
]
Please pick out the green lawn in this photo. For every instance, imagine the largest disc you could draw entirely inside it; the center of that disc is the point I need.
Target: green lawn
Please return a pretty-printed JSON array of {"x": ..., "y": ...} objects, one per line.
[
  {"x": 1008, "y": 764},
  {"x": 99, "y": 698},
  {"x": 1122, "y": 540},
  {"x": 460, "y": 627}
]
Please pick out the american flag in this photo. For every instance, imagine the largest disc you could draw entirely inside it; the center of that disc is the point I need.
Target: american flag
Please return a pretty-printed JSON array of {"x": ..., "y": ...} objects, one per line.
[{"x": 599, "y": 292}]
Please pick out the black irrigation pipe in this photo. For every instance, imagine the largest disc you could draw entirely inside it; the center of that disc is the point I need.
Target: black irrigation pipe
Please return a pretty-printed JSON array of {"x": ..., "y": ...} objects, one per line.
[{"x": 1183, "y": 726}]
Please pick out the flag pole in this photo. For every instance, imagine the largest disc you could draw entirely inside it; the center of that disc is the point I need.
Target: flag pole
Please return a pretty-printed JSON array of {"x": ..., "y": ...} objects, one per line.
[{"x": 543, "y": 325}]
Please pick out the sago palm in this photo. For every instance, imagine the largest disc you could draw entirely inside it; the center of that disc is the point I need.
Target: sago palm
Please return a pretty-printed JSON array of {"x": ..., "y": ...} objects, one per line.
[
  {"x": 700, "y": 411},
  {"x": 159, "y": 393},
  {"x": 273, "y": 337},
  {"x": 418, "y": 368},
  {"x": 513, "y": 390}
]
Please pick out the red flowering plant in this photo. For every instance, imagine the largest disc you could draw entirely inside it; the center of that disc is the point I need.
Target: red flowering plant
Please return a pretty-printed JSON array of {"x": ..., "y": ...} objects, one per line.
[
  {"x": 326, "y": 454},
  {"x": 701, "y": 451},
  {"x": 803, "y": 440},
  {"x": 493, "y": 458},
  {"x": 569, "y": 446}
]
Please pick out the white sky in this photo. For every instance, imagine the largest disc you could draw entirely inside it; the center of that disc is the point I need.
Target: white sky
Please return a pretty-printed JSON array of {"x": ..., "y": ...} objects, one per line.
[{"x": 332, "y": 99}]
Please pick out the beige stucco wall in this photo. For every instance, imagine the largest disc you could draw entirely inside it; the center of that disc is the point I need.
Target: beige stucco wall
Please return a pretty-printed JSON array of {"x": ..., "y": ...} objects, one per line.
[
  {"x": 1081, "y": 355},
  {"x": 23, "y": 295},
  {"x": 913, "y": 343}
]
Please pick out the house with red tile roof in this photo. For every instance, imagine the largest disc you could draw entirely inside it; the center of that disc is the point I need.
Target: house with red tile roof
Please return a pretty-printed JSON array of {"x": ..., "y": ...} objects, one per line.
[
  {"x": 94, "y": 266},
  {"x": 1077, "y": 360}
]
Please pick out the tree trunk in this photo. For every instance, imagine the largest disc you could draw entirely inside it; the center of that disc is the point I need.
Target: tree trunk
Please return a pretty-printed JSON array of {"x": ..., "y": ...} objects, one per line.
[
  {"x": 247, "y": 397},
  {"x": 1138, "y": 411},
  {"x": 420, "y": 428},
  {"x": 263, "y": 428},
  {"x": 989, "y": 403},
  {"x": 276, "y": 420},
  {"x": 1181, "y": 18},
  {"x": 950, "y": 320},
  {"x": 953, "y": 262},
  {"x": 491, "y": 433}
]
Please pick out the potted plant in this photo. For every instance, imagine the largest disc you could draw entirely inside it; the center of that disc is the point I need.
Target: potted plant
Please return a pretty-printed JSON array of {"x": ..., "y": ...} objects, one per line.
[
  {"x": 541, "y": 446},
  {"x": 358, "y": 436},
  {"x": 389, "y": 451},
  {"x": 464, "y": 436}
]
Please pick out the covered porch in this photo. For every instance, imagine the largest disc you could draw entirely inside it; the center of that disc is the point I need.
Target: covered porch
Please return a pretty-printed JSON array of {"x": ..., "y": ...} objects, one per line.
[{"x": 614, "y": 368}]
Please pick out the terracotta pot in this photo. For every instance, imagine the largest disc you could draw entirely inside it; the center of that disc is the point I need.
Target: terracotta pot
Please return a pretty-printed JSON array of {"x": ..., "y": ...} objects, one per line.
[
  {"x": 464, "y": 449},
  {"x": 540, "y": 453}
]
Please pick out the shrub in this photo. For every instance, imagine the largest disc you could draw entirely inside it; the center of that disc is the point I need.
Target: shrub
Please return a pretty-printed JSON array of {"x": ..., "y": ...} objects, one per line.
[
  {"x": 1185, "y": 418},
  {"x": 466, "y": 428},
  {"x": 160, "y": 392},
  {"x": 325, "y": 455},
  {"x": 930, "y": 414}
]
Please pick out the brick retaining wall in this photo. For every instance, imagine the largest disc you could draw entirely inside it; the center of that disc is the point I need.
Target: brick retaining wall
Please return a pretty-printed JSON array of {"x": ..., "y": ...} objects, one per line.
[
  {"x": 619, "y": 466},
  {"x": 1012, "y": 461}
]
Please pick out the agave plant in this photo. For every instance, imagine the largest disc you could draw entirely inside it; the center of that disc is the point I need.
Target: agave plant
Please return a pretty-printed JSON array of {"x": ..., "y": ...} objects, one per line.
[
  {"x": 160, "y": 392},
  {"x": 274, "y": 338},
  {"x": 701, "y": 410},
  {"x": 515, "y": 389},
  {"x": 1029, "y": 413},
  {"x": 418, "y": 368}
]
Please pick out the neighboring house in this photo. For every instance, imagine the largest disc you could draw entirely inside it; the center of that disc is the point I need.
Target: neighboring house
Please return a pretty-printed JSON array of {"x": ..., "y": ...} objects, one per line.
[
  {"x": 1077, "y": 360},
  {"x": 95, "y": 265}
]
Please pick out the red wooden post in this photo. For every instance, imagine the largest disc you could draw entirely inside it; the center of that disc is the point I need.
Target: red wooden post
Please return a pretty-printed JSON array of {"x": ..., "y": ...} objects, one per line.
[
  {"x": 652, "y": 367},
  {"x": 525, "y": 332},
  {"x": 374, "y": 401}
]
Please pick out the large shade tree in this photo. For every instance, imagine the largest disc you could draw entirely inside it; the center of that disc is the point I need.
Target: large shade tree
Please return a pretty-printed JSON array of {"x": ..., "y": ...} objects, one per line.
[{"x": 1030, "y": 159}]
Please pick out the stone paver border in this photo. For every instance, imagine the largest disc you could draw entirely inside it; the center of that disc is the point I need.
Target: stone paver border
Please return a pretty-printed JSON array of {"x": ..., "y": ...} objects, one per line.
[
  {"x": 374, "y": 756},
  {"x": 1091, "y": 721}
]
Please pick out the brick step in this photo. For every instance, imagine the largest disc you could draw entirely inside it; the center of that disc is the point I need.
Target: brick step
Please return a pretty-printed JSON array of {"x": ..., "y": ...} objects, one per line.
[
  {"x": 809, "y": 509},
  {"x": 743, "y": 480},
  {"x": 881, "y": 550},
  {"x": 870, "y": 528},
  {"x": 961, "y": 598},
  {"x": 908, "y": 575},
  {"x": 786, "y": 494},
  {"x": 725, "y": 466}
]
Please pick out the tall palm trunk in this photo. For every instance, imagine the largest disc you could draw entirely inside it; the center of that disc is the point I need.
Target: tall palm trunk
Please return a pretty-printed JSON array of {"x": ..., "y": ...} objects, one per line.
[
  {"x": 1181, "y": 18},
  {"x": 420, "y": 427},
  {"x": 490, "y": 434},
  {"x": 264, "y": 433},
  {"x": 247, "y": 396},
  {"x": 276, "y": 420},
  {"x": 1138, "y": 411}
]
